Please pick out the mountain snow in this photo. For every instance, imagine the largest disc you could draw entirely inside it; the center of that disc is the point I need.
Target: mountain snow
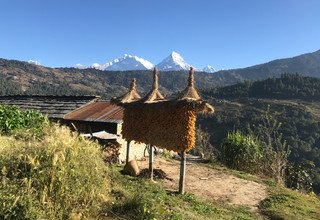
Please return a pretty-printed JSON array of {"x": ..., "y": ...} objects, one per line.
[
  {"x": 209, "y": 69},
  {"x": 173, "y": 62},
  {"x": 126, "y": 62},
  {"x": 35, "y": 62}
]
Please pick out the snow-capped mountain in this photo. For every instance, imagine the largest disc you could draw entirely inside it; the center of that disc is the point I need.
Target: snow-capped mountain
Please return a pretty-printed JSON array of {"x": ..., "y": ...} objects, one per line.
[
  {"x": 127, "y": 62},
  {"x": 35, "y": 62},
  {"x": 173, "y": 62},
  {"x": 209, "y": 69}
]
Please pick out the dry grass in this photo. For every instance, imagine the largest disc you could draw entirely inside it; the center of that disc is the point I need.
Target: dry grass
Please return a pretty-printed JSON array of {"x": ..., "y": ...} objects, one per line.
[{"x": 59, "y": 176}]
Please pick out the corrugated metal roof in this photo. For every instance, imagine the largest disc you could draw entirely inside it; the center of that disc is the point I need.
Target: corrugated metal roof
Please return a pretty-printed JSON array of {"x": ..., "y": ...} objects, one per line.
[
  {"x": 53, "y": 106},
  {"x": 100, "y": 111}
]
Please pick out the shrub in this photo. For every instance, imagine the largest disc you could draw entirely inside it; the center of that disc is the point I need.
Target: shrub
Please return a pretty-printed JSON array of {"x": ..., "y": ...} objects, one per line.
[
  {"x": 59, "y": 177},
  {"x": 12, "y": 120},
  {"x": 240, "y": 152}
]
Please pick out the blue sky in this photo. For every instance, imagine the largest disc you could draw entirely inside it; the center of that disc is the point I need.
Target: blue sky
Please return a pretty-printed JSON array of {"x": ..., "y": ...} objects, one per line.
[{"x": 225, "y": 34}]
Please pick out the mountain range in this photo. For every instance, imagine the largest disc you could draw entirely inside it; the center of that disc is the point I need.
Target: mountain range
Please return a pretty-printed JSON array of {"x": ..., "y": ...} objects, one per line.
[
  {"x": 174, "y": 62},
  {"x": 18, "y": 77}
]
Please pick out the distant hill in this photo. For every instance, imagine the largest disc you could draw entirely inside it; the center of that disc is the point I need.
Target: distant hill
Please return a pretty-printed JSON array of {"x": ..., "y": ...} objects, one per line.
[
  {"x": 34, "y": 79},
  {"x": 29, "y": 78},
  {"x": 306, "y": 64},
  {"x": 287, "y": 86}
]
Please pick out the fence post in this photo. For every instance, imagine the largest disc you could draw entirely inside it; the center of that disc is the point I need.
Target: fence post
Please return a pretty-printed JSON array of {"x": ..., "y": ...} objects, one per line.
[
  {"x": 151, "y": 158},
  {"x": 128, "y": 151},
  {"x": 182, "y": 172}
]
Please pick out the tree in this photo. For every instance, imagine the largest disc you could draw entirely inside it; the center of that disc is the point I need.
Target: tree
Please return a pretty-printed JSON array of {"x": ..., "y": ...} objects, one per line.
[{"x": 275, "y": 148}]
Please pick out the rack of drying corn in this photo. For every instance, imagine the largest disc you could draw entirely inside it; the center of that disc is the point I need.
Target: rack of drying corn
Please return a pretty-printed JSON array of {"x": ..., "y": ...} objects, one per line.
[{"x": 166, "y": 123}]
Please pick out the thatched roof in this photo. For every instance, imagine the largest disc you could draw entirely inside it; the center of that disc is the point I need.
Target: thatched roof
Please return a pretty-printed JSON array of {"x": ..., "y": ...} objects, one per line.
[
  {"x": 188, "y": 98},
  {"x": 154, "y": 95},
  {"x": 189, "y": 92},
  {"x": 131, "y": 96}
]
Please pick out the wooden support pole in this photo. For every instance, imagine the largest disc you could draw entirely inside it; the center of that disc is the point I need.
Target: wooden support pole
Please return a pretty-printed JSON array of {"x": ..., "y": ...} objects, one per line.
[
  {"x": 182, "y": 172},
  {"x": 151, "y": 159},
  {"x": 128, "y": 151}
]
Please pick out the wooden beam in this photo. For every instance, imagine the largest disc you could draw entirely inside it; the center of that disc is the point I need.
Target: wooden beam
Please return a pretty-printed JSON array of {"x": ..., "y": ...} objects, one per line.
[
  {"x": 128, "y": 151},
  {"x": 151, "y": 159},
  {"x": 182, "y": 172}
]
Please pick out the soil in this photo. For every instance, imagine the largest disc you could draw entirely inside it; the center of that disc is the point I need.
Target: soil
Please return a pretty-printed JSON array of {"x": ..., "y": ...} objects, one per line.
[{"x": 210, "y": 184}]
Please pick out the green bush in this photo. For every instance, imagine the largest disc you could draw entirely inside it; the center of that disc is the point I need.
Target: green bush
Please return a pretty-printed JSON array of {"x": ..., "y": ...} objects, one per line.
[
  {"x": 240, "y": 152},
  {"x": 13, "y": 120},
  {"x": 60, "y": 176}
]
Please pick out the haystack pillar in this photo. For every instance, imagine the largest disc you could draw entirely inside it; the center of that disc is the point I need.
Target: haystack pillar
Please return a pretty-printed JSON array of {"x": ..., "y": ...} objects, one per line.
[
  {"x": 182, "y": 171},
  {"x": 151, "y": 159},
  {"x": 128, "y": 151}
]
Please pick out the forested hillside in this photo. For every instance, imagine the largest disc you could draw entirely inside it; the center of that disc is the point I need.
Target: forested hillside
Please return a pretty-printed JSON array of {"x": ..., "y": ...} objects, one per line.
[
  {"x": 287, "y": 86},
  {"x": 292, "y": 100},
  {"x": 28, "y": 78},
  {"x": 32, "y": 79}
]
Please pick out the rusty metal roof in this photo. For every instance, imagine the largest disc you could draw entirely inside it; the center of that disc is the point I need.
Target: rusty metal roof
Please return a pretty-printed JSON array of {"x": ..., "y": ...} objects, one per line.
[{"x": 99, "y": 111}]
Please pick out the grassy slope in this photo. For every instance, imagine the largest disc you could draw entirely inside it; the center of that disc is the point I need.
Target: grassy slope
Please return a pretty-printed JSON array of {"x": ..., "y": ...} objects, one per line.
[{"x": 134, "y": 198}]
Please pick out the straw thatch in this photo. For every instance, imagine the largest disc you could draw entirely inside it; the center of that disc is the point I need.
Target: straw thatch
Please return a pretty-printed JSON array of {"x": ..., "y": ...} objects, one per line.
[
  {"x": 154, "y": 95},
  {"x": 131, "y": 96},
  {"x": 190, "y": 92}
]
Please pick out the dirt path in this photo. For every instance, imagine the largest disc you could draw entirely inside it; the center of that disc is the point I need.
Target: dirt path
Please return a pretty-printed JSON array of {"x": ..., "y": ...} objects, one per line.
[{"x": 211, "y": 184}]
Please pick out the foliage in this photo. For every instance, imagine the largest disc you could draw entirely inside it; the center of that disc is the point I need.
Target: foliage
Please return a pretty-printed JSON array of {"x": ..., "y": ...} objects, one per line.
[
  {"x": 275, "y": 148},
  {"x": 60, "y": 176},
  {"x": 240, "y": 152},
  {"x": 298, "y": 119},
  {"x": 202, "y": 145},
  {"x": 12, "y": 120},
  {"x": 299, "y": 176}
]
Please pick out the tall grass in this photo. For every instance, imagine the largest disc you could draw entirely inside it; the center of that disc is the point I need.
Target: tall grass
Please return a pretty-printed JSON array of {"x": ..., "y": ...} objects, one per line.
[{"x": 60, "y": 176}]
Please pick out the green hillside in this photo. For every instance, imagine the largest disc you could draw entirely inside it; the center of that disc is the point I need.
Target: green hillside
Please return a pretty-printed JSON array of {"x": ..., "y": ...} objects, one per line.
[{"x": 292, "y": 100}]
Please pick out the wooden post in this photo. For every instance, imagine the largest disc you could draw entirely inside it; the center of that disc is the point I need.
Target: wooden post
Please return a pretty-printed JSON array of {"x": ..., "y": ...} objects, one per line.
[
  {"x": 151, "y": 158},
  {"x": 182, "y": 171},
  {"x": 128, "y": 151}
]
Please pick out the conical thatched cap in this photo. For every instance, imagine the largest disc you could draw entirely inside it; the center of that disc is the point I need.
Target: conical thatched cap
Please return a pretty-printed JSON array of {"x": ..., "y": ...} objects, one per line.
[
  {"x": 190, "y": 92},
  {"x": 154, "y": 95},
  {"x": 131, "y": 96}
]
